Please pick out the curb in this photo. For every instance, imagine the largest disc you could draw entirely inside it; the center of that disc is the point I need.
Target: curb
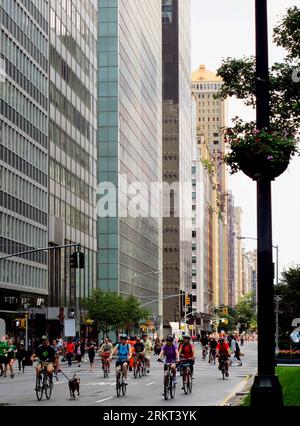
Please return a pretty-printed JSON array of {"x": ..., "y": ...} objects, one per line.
[{"x": 239, "y": 388}]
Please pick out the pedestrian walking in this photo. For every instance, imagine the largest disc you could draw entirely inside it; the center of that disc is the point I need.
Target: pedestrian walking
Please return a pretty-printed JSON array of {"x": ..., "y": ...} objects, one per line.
[
  {"x": 78, "y": 353},
  {"x": 3, "y": 355},
  {"x": 11, "y": 357},
  {"x": 70, "y": 349},
  {"x": 21, "y": 356},
  {"x": 91, "y": 354}
]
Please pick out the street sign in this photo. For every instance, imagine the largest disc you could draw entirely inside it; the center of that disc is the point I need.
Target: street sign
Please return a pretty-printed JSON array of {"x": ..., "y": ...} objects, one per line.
[
  {"x": 2, "y": 327},
  {"x": 278, "y": 298}
]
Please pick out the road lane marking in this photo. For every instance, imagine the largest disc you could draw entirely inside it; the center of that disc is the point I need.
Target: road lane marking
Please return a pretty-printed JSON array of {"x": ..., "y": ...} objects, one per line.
[
  {"x": 148, "y": 384},
  {"x": 105, "y": 399},
  {"x": 238, "y": 388}
]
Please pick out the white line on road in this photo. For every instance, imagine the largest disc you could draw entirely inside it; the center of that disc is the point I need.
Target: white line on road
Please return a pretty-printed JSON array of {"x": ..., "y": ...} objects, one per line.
[
  {"x": 105, "y": 399},
  {"x": 148, "y": 384}
]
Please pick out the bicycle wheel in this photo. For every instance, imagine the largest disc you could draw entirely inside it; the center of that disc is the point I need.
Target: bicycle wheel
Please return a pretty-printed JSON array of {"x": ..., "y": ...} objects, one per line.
[
  {"x": 166, "y": 387},
  {"x": 184, "y": 382},
  {"x": 123, "y": 386},
  {"x": 135, "y": 370},
  {"x": 118, "y": 384},
  {"x": 105, "y": 369},
  {"x": 39, "y": 388},
  {"x": 47, "y": 386},
  {"x": 172, "y": 387},
  {"x": 189, "y": 381},
  {"x": 223, "y": 370}
]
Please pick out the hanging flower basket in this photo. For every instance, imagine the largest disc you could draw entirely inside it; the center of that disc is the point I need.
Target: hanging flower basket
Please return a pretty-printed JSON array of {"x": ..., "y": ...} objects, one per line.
[{"x": 260, "y": 154}]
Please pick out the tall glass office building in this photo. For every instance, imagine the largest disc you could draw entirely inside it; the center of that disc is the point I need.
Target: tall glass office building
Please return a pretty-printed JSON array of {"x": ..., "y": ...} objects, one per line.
[
  {"x": 23, "y": 153},
  {"x": 130, "y": 145},
  {"x": 72, "y": 150}
]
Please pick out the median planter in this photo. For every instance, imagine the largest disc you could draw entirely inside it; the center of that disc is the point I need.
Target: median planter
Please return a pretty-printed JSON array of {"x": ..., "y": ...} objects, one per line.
[{"x": 288, "y": 357}]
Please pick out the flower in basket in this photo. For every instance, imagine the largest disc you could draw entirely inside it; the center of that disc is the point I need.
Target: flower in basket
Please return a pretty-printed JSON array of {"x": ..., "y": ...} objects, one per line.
[{"x": 260, "y": 154}]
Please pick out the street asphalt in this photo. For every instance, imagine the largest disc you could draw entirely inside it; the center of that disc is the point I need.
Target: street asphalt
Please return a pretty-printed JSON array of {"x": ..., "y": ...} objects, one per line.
[{"x": 209, "y": 389}]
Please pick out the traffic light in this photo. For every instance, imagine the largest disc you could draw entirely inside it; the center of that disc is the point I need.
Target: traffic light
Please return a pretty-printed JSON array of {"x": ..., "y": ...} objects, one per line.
[
  {"x": 187, "y": 300},
  {"x": 73, "y": 260},
  {"x": 81, "y": 260},
  {"x": 223, "y": 311}
]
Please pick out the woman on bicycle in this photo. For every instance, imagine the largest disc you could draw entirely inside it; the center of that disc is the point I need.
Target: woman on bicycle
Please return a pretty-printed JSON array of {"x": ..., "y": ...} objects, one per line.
[
  {"x": 105, "y": 351},
  {"x": 223, "y": 353},
  {"x": 124, "y": 354},
  {"x": 170, "y": 351},
  {"x": 187, "y": 352}
]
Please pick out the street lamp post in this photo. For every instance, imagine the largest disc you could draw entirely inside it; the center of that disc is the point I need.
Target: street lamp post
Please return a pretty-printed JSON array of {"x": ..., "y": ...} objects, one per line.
[
  {"x": 142, "y": 275},
  {"x": 266, "y": 390},
  {"x": 26, "y": 308}
]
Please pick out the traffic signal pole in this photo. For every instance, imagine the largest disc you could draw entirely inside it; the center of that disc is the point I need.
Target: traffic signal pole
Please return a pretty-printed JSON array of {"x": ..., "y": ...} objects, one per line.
[{"x": 41, "y": 249}]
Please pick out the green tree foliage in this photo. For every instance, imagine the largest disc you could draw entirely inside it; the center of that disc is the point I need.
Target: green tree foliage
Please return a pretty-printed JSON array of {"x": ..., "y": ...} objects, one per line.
[
  {"x": 239, "y": 78},
  {"x": 113, "y": 312},
  {"x": 289, "y": 289},
  {"x": 245, "y": 311}
]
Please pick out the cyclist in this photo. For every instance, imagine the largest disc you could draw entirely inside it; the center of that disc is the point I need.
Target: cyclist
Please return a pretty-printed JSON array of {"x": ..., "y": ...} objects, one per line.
[
  {"x": 148, "y": 350},
  {"x": 223, "y": 351},
  {"x": 170, "y": 351},
  {"x": 187, "y": 351},
  {"x": 46, "y": 355},
  {"x": 204, "y": 343},
  {"x": 124, "y": 354},
  {"x": 105, "y": 351},
  {"x": 212, "y": 349},
  {"x": 139, "y": 349}
]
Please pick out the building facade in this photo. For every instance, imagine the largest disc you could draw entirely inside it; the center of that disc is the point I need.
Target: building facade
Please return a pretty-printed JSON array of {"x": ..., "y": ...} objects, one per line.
[
  {"x": 24, "y": 144},
  {"x": 72, "y": 148},
  {"x": 129, "y": 144},
  {"x": 177, "y": 155},
  {"x": 211, "y": 117}
]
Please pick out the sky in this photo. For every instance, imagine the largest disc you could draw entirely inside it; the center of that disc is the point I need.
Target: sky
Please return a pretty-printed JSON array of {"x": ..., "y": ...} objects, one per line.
[{"x": 226, "y": 28}]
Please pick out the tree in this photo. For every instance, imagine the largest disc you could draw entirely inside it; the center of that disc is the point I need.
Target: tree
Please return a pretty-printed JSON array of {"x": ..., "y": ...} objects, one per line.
[
  {"x": 289, "y": 307},
  {"x": 239, "y": 77},
  {"x": 245, "y": 310}
]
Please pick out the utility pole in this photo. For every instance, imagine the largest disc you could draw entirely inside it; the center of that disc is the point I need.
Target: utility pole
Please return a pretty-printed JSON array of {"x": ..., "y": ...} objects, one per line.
[{"x": 277, "y": 299}]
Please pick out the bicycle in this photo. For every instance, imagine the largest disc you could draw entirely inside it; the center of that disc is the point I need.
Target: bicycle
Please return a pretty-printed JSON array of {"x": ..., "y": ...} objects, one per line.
[
  {"x": 169, "y": 385},
  {"x": 105, "y": 363},
  {"x": 223, "y": 367},
  {"x": 137, "y": 366},
  {"x": 212, "y": 356},
  {"x": 187, "y": 383},
  {"x": 120, "y": 385},
  {"x": 43, "y": 384},
  {"x": 143, "y": 367},
  {"x": 204, "y": 353}
]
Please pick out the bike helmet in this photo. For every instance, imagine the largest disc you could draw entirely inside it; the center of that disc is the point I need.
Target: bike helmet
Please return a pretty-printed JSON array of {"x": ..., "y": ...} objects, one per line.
[
  {"x": 169, "y": 339},
  {"x": 123, "y": 337},
  {"x": 186, "y": 336},
  {"x": 44, "y": 338}
]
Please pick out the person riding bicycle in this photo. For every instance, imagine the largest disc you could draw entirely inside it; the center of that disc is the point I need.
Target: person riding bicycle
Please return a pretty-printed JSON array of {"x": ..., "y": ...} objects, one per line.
[
  {"x": 212, "y": 348},
  {"x": 223, "y": 352},
  {"x": 46, "y": 355},
  {"x": 204, "y": 343},
  {"x": 139, "y": 349},
  {"x": 124, "y": 354},
  {"x": 148, "y": 349},
  {"x": 105, "y": 351},
  {"x": 170, "y": 351},
  {"x": 187, "y": 352}
]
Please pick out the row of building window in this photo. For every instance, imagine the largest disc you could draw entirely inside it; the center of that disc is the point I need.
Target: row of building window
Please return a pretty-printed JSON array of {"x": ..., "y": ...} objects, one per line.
[
  {"x": 22, "y": 189},
  {"x": 39, "y": 17},
  {"x": 23, "y": 124},
  {"x": 208, "y": 119},
  {"x": 70, "y": 181},
  {"x": 15, "y": 229},
  {"x": 23, "y": 148},
  {"x": 11, "y": 203},
  {"x": 68, "y": 145},
  {"x": 69, "y": 111},
  {"x": 70, "y": 43},
  {"x": 22, "y": 62},
  {"x": 18, "y": 163},
  {"x": 23, "y": 275},
  {"x": 10, "y": 247},
  {"x": 63, "y": 69},
  {"x": 16, "y": 99},
  {"x": 208, "y": 86},
  {"x": 26, "y": 85},
  {"x": 72, "y": 216},
  {"x": 23, "y": 40}
]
